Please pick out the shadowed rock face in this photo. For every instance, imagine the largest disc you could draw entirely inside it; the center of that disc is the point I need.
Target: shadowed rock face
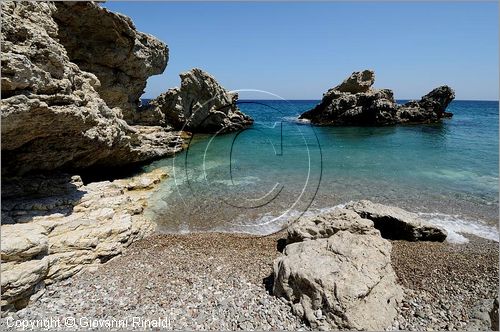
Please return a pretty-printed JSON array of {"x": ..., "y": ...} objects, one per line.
[
  {"x": 52, "y": 115},
  {"x": 355, "y": 102},
  {"x": 397, "y": 224},
  {"x": 109, "y": 46},
  {"x": 201, "y": 104}
]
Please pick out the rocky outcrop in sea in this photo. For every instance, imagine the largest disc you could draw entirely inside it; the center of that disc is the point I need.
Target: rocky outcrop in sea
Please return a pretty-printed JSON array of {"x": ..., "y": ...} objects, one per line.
[
  {"x": 355, "y": 102},
  {"x": 200, "y": 104}
]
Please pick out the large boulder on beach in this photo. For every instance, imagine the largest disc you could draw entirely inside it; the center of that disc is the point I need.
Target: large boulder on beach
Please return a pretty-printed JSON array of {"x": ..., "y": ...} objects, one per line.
[
  {"x": 53, "y": 115},
  {"x": 355, "y": 102},
  {"x": 327, "y": 224},
  {"x": 397, "y": 224},
  {"x": 200, "y": 104},
  {"x": 345, "y": 281}
]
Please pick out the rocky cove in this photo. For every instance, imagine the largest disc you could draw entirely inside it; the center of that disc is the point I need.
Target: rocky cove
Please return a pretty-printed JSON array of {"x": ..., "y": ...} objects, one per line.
[{"x": 84, "y": 247}]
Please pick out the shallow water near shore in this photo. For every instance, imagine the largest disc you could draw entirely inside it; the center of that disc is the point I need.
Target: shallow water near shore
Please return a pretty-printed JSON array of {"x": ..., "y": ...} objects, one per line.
[{"x": 257, "y": 180}]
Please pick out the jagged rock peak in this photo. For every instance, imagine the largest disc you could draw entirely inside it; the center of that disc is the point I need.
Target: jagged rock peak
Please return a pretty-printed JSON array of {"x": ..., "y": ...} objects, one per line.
[
  {"x": 200, "y": 104},
  {"x": 359, "y": 81}
]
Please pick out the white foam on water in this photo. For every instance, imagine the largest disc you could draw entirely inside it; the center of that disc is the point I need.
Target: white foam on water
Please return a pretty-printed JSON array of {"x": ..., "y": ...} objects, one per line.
[
  {"x": 295, "y": 119},
  {"x": 456, "y": 225},
  {"x": 269, "y": 223},
  {"x": 246, "y": 180}
]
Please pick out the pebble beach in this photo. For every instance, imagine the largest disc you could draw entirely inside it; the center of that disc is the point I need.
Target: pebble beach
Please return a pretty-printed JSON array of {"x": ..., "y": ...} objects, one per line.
[{"x": 217, "y": 281}]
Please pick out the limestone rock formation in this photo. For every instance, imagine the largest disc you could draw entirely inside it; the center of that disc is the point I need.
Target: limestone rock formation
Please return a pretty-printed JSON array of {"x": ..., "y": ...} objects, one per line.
[
  {"x": 52, "y": 115},
  {"x": 325, "y": 225},
  {"x": 109, "y": 46},
  {"x": 345, "y": 281},
  {"x": 397, "y": 224},
  {"x": 355, "y": 102},
  {"x": 54, "y": 236},
  {"x": 336, "y": 270},
  {"x": 201, "y": 104}
]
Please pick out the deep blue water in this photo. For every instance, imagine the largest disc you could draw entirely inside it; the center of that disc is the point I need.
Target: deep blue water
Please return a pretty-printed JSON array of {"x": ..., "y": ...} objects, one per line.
[{"x": 281, "y": 167}]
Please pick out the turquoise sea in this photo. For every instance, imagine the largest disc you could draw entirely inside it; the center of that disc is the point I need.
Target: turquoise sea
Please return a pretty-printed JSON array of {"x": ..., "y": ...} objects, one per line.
[{"x": 257, "y": 180}]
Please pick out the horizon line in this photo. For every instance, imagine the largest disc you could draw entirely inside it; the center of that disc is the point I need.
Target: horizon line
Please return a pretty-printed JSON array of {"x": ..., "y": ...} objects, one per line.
[{"x": 496, "y": 100}]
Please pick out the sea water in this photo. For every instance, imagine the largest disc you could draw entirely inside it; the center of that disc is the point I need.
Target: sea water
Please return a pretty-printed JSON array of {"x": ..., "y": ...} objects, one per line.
[{"x": 260, "y": 179}]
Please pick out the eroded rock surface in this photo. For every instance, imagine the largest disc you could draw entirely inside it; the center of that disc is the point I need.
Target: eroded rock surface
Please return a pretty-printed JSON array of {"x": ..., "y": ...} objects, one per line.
[
  {"x": 108, "y": 45},
  {"x": 355, "y": 102},
  {"x": 336, "y": 270},
  {"x": 55, "y": 236},
  {"x": 201, "y": 104},
  {"x": 360, "y": 81},
  {"x": 326, "y": 224},
  {"x": 397, "y": 224},
  {"x": 345, "y": 281},
  {"x": 52, "y": 114}
]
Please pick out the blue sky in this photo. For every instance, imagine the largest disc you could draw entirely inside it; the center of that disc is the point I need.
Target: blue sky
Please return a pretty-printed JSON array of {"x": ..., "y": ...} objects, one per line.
[{"x": 299, "y": 50}]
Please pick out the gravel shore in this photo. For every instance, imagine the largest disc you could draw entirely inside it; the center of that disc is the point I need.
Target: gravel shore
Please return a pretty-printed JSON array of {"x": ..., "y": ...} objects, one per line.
[
  {"x": 221, "y": 281},
  {"x": 445, "y": 282}
]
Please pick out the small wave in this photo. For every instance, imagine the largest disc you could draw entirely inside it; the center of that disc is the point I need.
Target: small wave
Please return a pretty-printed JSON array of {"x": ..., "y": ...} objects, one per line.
[
  {"x": 453, "y": 224},
  {"x": 270, "y": 223},
  {"x": 295, "y": 119},
  {"x": 456, "y": 226}
]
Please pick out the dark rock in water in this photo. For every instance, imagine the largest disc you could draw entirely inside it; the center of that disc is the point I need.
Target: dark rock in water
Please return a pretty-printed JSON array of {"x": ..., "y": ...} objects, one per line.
[
  {"x": 355, "y": 102},
  {"x": 430, "y": 108},
  {"x": 201, "y": 104}
]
